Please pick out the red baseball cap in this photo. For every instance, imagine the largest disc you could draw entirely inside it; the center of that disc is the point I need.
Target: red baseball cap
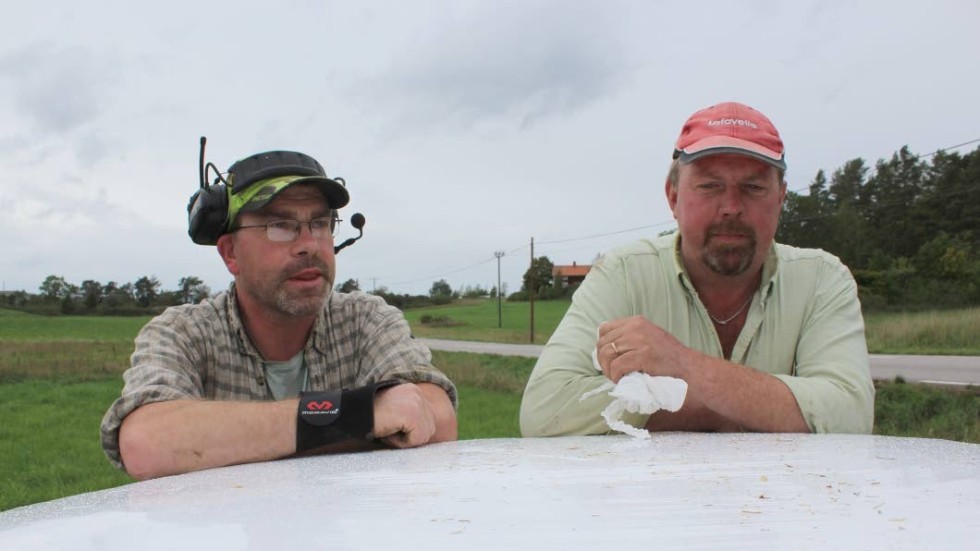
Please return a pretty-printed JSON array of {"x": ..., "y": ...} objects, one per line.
[{"x": 730, "y": 128}]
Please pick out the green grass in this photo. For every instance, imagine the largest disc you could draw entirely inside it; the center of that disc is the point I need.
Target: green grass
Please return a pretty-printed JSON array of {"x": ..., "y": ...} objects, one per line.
[
  {"x": 478, "y": 321},
  {"x": 487, "y": 414},
  {"x": 949, "y": 332},
  {"x": 916, "y": 410},
  {"x": 58, "y": 378},
  {"x": 17, "y": 326},
  {"x": 49, "y": 440}
]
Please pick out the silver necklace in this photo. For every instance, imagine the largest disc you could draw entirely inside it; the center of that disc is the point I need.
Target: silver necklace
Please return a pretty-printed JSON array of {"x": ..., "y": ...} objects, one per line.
[{"x": 733, "y": 316}]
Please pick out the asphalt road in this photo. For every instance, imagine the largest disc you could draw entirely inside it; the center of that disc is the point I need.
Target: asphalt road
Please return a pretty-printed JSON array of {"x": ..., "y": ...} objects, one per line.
[{"x": 938, "y": 370}]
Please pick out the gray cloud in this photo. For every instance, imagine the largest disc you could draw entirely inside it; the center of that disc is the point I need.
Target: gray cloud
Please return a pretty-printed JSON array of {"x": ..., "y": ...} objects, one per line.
[
  {"x": 498, "y": 66},
  {"x": 58, "y": 94},
  {"x": 57, "y": 90}
]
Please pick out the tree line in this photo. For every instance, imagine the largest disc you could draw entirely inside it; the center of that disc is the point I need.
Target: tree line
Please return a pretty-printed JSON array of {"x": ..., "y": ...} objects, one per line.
[
  {"x": 141, "y": 297},
  {"x": 908, "y": 229}
]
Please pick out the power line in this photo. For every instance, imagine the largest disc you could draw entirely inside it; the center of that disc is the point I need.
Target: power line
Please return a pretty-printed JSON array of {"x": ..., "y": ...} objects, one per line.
[
  {"x": 627, "y": 230},
  {"x": 916, "y": 157},
  {"x": 597, "y": 235}
]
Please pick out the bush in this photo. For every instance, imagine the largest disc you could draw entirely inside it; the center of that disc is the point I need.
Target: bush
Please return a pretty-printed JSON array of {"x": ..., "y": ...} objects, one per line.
[{"x": 439, "y": 321}]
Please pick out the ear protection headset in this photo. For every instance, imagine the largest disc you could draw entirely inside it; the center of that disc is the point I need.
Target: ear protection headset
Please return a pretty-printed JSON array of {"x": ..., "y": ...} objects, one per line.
[{"x": 207, "y": 211}]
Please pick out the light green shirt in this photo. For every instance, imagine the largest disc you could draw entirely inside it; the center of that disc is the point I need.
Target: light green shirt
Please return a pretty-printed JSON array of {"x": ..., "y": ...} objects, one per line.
[{"x": 804, "y": 326}]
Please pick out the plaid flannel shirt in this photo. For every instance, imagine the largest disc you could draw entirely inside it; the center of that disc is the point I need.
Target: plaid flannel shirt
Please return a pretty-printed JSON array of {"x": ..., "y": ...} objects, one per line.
[{"x": 203, "y": 352}]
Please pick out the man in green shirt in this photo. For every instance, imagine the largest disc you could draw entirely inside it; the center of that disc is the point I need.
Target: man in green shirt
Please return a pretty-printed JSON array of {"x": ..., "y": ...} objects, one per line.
[{"x": 768, "y": 337}]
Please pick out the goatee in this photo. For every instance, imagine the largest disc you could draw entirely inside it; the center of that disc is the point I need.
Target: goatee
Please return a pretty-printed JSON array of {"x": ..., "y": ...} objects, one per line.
[{"x": 728, "y": 259}]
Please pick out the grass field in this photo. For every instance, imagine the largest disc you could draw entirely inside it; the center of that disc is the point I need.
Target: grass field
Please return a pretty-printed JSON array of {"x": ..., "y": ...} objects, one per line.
[
  {"x": 951, "y": 332},
  {"x": 477, "y": 320},
  {"x": 944, "y": 333},
  {"x": 58, "y": 375}
]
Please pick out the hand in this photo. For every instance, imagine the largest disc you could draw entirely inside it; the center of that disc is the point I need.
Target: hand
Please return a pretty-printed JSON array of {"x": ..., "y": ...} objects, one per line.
[
  {"x": 633, "y": 344},
  {"x": 402, "y": 416}
]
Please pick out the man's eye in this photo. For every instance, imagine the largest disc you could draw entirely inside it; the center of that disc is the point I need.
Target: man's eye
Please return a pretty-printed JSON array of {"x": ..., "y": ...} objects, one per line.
[
  {"x": 320, "y": 223},
  {"x": 280, "y": 224}
]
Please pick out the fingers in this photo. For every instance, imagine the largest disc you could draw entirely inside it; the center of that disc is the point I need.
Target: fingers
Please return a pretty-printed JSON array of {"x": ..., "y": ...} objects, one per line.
[
  {"x": 626, "y": 345},
  {"x": 616, "y": 338},
  {"x": 402, "y": 417}
]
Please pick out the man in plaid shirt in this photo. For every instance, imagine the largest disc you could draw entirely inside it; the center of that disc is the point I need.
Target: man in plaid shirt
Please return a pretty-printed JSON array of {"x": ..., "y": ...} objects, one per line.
[{"x": 279, "y": 364}]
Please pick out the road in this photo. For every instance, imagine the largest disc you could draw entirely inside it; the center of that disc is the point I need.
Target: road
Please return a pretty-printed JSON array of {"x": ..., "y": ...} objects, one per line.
[{"x": 937, "y": 370}]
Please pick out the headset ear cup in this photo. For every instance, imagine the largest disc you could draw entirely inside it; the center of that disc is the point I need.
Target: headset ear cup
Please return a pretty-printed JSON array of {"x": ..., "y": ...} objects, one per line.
[{"x": 207, "y": 214}]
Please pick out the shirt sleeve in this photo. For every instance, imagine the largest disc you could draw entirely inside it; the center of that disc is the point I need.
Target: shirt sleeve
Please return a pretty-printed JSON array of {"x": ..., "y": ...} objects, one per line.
[
  {"x": 388, "y": 350},
  {"x": 552, "y": 405},
  {"x": 832, "y": 376},
  {"x": 162, "y": 368}
]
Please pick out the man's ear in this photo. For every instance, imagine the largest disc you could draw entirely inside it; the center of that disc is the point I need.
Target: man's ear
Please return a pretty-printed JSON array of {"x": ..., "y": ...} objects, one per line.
[
  {"x": 671, "y": 191},
  {"x": 226, "y": 248}
]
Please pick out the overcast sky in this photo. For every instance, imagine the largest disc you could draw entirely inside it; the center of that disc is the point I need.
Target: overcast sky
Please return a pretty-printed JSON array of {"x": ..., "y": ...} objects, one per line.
[{"x": 461, "y": 127}]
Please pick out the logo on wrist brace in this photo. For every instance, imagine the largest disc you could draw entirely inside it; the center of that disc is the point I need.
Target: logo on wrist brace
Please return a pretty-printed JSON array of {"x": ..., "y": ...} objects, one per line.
[{"x": 322, "y": 408}]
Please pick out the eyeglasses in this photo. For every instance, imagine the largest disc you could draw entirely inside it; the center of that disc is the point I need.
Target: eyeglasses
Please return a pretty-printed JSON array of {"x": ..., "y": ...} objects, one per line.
[{"x": 288, "y": 230}]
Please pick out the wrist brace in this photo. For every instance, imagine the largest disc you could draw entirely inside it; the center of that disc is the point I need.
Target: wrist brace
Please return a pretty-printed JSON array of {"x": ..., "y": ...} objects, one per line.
[{"x": 333, "y": 416}]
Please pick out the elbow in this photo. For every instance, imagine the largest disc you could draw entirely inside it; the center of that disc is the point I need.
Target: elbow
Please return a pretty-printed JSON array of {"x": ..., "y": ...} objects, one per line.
[
  {"x": 138, "y": 449},
  {"x": 448, "y": 430},
  {"x": 535, "y": 423},
  {"x": 136, "y": 457}
]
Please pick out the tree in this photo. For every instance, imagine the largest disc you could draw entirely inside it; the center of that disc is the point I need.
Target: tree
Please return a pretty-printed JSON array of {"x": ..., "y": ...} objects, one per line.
[
  {"x": 55, "y": 288},
  {"x": 850, "y": 236},
  {"x": 349, "y": 286},
  {"x": 147, "y": 289},
  {"x": 441, "y": 288},
  {"x": 475, "y": 291},
  {"x": 806, "y": 218},
  {"x": 893, "y": 191},
  {"x": 538, "y": 276},
  {"x": 192, "y": 290},
  {"x": 91, "y": 293}
]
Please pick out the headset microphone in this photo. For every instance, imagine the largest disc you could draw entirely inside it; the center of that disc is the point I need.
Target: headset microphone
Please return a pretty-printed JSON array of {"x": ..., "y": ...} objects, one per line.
[
  {"x": 207, "y": 210},
  {"x": 356, "y": 220},
  {"x": 208, "y": 213}
]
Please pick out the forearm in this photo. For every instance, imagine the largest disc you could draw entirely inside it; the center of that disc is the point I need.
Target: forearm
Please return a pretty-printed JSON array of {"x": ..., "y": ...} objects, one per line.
[
  {"x": 177, "y": 436},
  {"x": 693, "y": 416},
  {"x": 552, "y": 404},
  {"x": 742, "y": 396}
]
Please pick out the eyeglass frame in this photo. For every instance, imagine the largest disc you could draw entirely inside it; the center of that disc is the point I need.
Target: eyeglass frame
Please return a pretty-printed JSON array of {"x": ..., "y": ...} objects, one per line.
[{"x": 296, "y": 227}]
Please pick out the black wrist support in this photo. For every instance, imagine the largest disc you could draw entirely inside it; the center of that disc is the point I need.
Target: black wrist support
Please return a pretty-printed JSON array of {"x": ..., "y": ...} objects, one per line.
[{"x": 333, "y": 416}]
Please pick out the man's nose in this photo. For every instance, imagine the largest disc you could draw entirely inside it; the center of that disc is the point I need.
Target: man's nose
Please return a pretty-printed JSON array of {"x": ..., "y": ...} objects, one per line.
[
  {"x": 305, "y": 242},
  {"x": 732, "y": 201}
]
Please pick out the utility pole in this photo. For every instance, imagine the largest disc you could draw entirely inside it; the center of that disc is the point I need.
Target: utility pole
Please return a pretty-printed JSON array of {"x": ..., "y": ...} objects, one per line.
[
  {"x": 500, "y": 315},
  {"x": 530, "y": 289}
]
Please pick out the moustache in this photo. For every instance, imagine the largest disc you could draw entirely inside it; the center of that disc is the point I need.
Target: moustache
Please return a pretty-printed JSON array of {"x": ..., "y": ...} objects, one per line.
[{"x": 732, "y": 227}]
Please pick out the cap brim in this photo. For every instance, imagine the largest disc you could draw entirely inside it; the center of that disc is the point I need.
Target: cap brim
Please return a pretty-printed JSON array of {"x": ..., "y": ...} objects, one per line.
[
  {"x": 335, "y": 193},
  {"x": 716, "y": 145}
]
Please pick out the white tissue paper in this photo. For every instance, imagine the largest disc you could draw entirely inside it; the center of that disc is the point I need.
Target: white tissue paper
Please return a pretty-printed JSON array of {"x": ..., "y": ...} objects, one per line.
[{"x": 638, "y": 393}]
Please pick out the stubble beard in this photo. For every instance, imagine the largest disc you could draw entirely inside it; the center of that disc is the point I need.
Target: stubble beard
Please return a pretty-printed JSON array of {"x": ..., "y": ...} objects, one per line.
[
  {"x": 300, "y": 306},
  {"x": 725, "y": 259},
  {"x": 278, "y": 298}
]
